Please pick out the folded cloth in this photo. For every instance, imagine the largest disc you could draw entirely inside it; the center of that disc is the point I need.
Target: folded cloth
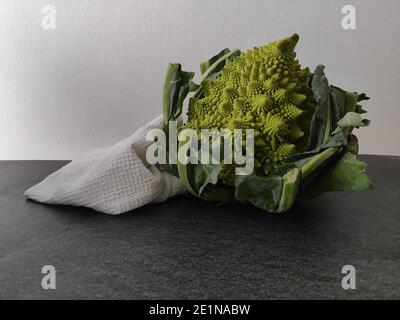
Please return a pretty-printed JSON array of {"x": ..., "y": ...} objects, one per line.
[{"x": 112, "y": 180}]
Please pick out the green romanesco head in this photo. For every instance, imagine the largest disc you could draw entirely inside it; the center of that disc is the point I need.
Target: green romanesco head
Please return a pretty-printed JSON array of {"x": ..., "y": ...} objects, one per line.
[{"x": 263, "y": 89}]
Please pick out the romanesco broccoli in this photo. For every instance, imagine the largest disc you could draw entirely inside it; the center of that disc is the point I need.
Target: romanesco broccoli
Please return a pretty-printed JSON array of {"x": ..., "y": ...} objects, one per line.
[
  {"x": 263, "y": 89},
  {"x": 303, "y": 127}
]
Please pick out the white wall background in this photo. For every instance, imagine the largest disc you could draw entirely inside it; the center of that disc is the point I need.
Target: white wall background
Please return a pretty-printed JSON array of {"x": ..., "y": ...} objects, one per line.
[{"x": 98, "y": 77}]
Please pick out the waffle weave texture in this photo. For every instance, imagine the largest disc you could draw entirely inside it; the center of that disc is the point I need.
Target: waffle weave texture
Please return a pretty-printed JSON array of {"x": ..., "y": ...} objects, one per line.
[{"x": 113, "y": 180}]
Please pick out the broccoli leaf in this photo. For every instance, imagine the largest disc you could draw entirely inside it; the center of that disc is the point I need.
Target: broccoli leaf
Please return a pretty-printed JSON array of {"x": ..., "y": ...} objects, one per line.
[
  {"x": 338, "y": 101},
  {"x": 347, "y": 174},
  {"x": 205, "y": 174},
  {"x": 339, "y": 137},
  {"x": 207, "y": 64},
  {"x": 321, "y": 121},
  {"x": 351, "y": 101},
  {"x": 196, "y": 177},
  {"x": 263, "y": 192},
  {"x": 332, "y": 105},
  {"x": 336, "y": 140},
  {"x": 349, "y": 121},
  {"x": 362, "y": 97},
  {"x": 177, "y": 85}
]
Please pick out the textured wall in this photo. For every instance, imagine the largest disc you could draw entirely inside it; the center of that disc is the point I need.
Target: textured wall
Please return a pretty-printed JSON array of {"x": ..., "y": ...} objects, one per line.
[{"x": 99, "y": 75}]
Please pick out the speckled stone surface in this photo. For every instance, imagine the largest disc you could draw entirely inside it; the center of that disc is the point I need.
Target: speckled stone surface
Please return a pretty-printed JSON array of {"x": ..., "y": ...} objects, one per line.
[{"x": 189, "y": 249}]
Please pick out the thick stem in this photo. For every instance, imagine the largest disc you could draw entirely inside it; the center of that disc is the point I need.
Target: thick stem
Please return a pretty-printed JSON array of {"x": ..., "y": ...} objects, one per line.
[
  {"x": 316, "y": 161},
  {"x": 291, "y": 181}
]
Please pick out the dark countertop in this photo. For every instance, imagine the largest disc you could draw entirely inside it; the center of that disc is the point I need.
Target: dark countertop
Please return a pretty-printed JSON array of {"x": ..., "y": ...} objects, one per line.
[{"x": 187, "y": 248}]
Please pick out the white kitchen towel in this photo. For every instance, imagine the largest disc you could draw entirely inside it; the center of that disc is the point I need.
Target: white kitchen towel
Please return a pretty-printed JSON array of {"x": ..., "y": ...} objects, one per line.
[{"x": 112, "y": 180}]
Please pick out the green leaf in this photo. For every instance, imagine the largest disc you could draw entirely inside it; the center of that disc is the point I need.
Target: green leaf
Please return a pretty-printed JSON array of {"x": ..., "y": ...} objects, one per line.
[
  {"x": 263, "y": 192},
  {"x": 336, "y": 140},
  {"x": 205, "y": 174},
  {"x": 207, "y": 64},
  {"x": 311, "y": 164},
  {"x": 320, "y": 127},
  {"x": 274, "y": 193},
  {"x": 351, "y": 101},
  {"x": 351, "y": 120},
  {"x": 177, "y": 85},
  {"x": 196, "y": 177},
  {"x": 338, "y": 103},
  {"x": 362, "y": 97},
  {"x": 347, "y": 174}
]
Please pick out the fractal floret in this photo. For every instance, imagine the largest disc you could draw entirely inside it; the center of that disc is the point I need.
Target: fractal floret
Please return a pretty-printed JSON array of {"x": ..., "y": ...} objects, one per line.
[
  {"x": 304, "y": 142},
  {"x": 263, "y": 89}
]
